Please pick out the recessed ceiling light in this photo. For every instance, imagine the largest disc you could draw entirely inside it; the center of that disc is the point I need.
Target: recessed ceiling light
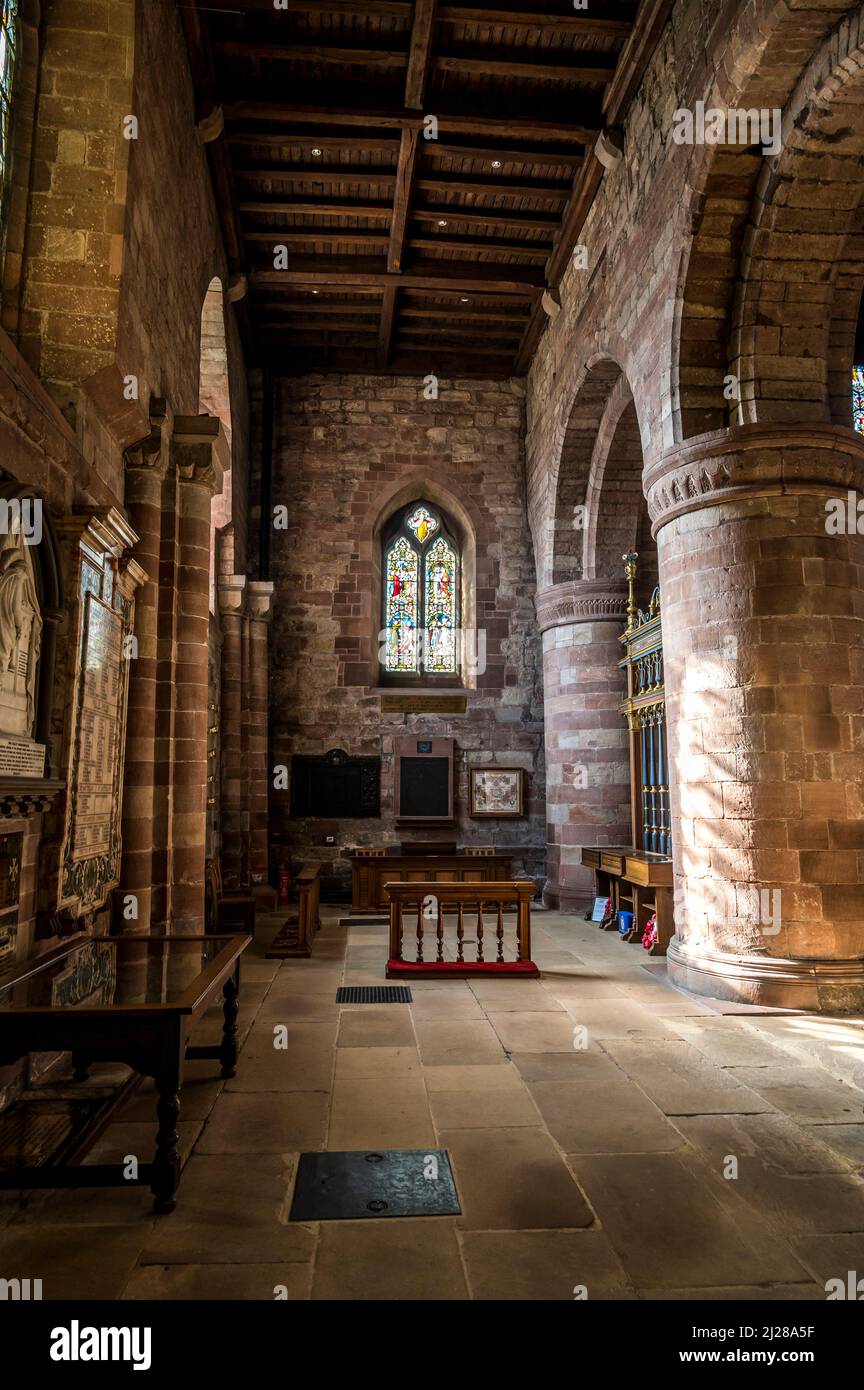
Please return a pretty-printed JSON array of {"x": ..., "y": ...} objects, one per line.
[
  {"x": 496, "y": 163},
  {"x": 316, "y": 153},
  {"x": 464, "y": 299},
  {"x": 442, "y": 222},
  {"x": 314, "y": 291}
]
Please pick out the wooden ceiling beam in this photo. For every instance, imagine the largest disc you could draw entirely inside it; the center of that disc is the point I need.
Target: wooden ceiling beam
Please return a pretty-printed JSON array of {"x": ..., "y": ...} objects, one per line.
[
  {"x": 418, "y": 61},
  {"x": 413, "y": 311},
  {"x": 535, "y": 251},
  {"x": 525, "y": 155},
  {"x": 402, "y": 198},
  {"x": 292, "y": 236},
  {"x": 381, "y": 144},
  {"x": 489, "y": 66},
  {"x": 321, "y": 207},
  {"x": 450, "y": 122},
  {"x": 420, "y": 54},
  {"x": 453, "y": 212},
  {"x": 385, "y": 324},
  {"x": 520, "y": 281},
  {"x": 458, "y": 183},
  {"x": 575, "y": 25},
  {"x": 320, "y": 308}
]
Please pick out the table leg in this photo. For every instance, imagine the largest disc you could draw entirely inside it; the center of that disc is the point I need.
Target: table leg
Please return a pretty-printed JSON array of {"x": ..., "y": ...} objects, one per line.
[
  {"x": 230, "y": 1009},
  {"x": 166, "y": 1164}
]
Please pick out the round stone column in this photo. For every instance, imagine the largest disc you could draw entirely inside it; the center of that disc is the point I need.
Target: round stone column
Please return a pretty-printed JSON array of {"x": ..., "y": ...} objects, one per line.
[
  {"x": 587, "y": 760},
  {"x": 763, "y": 641},
  {"x": 146, "y": 464},
  {"x": 198, "y": 452}
]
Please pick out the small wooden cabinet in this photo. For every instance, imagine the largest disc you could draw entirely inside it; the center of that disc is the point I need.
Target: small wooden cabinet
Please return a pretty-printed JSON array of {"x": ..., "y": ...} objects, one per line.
[{"x": 371, "y": 869}]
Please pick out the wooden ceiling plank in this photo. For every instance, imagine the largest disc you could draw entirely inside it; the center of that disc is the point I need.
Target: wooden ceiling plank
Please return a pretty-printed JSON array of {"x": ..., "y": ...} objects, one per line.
[
  {"x": 328, "y": 207},
  {"x": 312, "y": 53},
  {"x": 292, "y": 236},
  {"x": 575, "y": 25}
]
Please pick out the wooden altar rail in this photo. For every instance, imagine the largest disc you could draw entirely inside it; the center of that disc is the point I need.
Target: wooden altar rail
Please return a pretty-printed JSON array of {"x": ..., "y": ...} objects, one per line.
[
  {"x": 295, "y": 937},
  {"x": 419, "y": 911}
]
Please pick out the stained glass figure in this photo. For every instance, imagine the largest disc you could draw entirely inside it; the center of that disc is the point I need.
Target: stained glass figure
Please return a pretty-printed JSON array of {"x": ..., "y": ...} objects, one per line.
[
  {"x": 440, "y": 607},
  {"x": 422, "y": 523},
  {"x": 402, "y": 603},
  {"x": 858, "y": 399},
  {"x": 8, "y": 44}
]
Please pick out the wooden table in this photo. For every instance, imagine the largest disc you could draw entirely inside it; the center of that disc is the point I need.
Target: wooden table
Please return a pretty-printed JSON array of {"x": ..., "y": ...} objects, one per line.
[
  {"x": 133, "y": 1000},
  {"x": 639, "y": 882},
  {"x": 370, "y": 871}
]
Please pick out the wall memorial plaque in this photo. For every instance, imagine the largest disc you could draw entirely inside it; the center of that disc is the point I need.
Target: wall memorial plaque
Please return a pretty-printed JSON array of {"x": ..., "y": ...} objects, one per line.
[
  {"x": 424, "y": 704},
  {"x": 424, "y": 781},
  {"x": 92, "y": 846},
  {"x": 11, "y": 848},
  {"x": 335, "y": 786},
  {"x": 19, "y": 757}
]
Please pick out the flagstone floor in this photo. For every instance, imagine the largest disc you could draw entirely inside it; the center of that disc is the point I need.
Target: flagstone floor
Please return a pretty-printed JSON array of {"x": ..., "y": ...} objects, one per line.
[{"x": 681, "y": 1152}]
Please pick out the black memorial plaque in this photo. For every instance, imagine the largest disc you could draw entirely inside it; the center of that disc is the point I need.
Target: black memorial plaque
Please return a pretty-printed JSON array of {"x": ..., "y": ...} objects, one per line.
[
  {"x": 335, "y": 786},
  {"x": 424, "y": 787}
]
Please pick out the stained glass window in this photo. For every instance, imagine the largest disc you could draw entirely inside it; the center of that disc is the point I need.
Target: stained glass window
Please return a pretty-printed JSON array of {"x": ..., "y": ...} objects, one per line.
[
  {"x": 402, "y": 606},
  {"x": 858, "y": 399},
  {"x": 421, "y": 594},
  {"x": 422, "y": 523},
  {"x": 440, "y": 607},
  {"x": 8, "y": 45}
]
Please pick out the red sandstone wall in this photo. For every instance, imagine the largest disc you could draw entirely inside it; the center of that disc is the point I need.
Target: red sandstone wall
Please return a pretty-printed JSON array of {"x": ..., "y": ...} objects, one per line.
[{"x": 343, "y": 445}]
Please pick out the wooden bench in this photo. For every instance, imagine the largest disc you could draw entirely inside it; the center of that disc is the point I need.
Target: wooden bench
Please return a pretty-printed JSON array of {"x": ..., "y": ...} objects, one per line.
[
  {"x": 294, "y": 937},
  {"x": 424, "y": 911},
  {"x": 232, "y": 911}
]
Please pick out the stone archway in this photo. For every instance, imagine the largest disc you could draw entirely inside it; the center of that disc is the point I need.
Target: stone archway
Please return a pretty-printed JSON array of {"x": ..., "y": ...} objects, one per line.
[{"x": 599, "y": 514}]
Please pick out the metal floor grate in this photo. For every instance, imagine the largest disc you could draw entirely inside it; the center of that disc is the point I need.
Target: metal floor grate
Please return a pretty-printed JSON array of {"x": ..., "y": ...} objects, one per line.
[{"x": 373, "y": 994}]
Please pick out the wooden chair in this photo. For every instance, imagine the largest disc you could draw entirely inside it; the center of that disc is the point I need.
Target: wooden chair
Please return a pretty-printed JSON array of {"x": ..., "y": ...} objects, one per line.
[{"x": 232, "y": 911}]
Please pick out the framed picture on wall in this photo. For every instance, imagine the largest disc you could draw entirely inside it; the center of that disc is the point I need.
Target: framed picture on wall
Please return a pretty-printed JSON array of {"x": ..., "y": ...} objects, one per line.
[{"x": 496, "y": 791}]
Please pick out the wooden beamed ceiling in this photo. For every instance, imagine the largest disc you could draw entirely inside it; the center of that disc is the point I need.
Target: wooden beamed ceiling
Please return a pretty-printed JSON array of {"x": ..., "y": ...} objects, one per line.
[{"x": 426, "y": 168}]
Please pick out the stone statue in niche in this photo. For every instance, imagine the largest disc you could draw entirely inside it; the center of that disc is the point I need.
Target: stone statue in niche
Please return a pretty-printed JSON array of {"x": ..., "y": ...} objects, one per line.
[{"x": 20, "y": 637}]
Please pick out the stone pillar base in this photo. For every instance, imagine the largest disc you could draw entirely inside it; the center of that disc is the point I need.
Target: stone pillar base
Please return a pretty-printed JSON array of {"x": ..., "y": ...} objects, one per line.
[{"x": 777, "y": 982}]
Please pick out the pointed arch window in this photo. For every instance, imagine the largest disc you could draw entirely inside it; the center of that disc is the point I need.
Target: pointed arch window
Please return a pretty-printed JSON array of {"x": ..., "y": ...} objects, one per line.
[
  {"x": 8, "y": 53},
  {"x": 421, "y": 594}
]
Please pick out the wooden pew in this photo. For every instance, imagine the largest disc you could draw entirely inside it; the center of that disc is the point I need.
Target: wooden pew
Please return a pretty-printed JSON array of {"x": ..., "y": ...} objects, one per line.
[{"x": 294, "y": 938}]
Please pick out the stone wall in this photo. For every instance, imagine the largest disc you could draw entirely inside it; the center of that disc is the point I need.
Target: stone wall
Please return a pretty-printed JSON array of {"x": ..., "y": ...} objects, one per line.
[{"x": 350, "y": 450}]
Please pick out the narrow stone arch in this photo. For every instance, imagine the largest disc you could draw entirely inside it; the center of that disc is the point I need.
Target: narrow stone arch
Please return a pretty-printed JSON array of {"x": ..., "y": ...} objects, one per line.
[
  {"x": 574, "y": 469},
  {"x": 723, "y": 182},
  {"x": 214, "y": 398},
  {"x": 802, "y": 268}
]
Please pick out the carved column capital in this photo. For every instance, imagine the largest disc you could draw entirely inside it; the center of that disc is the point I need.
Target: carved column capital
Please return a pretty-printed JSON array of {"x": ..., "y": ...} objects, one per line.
[
  {"x": 581, "y": 601},
  {"x": 752, "y": 461},
  {"x": 259, "y": 596},
  {"x": 200, "y": 451},
  {"x": 151, "y": 454},
  {"x": 231, "y": 594}
]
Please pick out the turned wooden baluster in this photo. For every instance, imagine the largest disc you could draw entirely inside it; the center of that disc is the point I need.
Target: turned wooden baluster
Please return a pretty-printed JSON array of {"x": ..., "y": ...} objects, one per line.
[
  {"x": 440, "y": 931},
  {"x": 480, "y": 931},
  {"x": 420, "y": 931},
  {"x": 460, "y": 932},
  {"x": 500, "y": 932}
]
